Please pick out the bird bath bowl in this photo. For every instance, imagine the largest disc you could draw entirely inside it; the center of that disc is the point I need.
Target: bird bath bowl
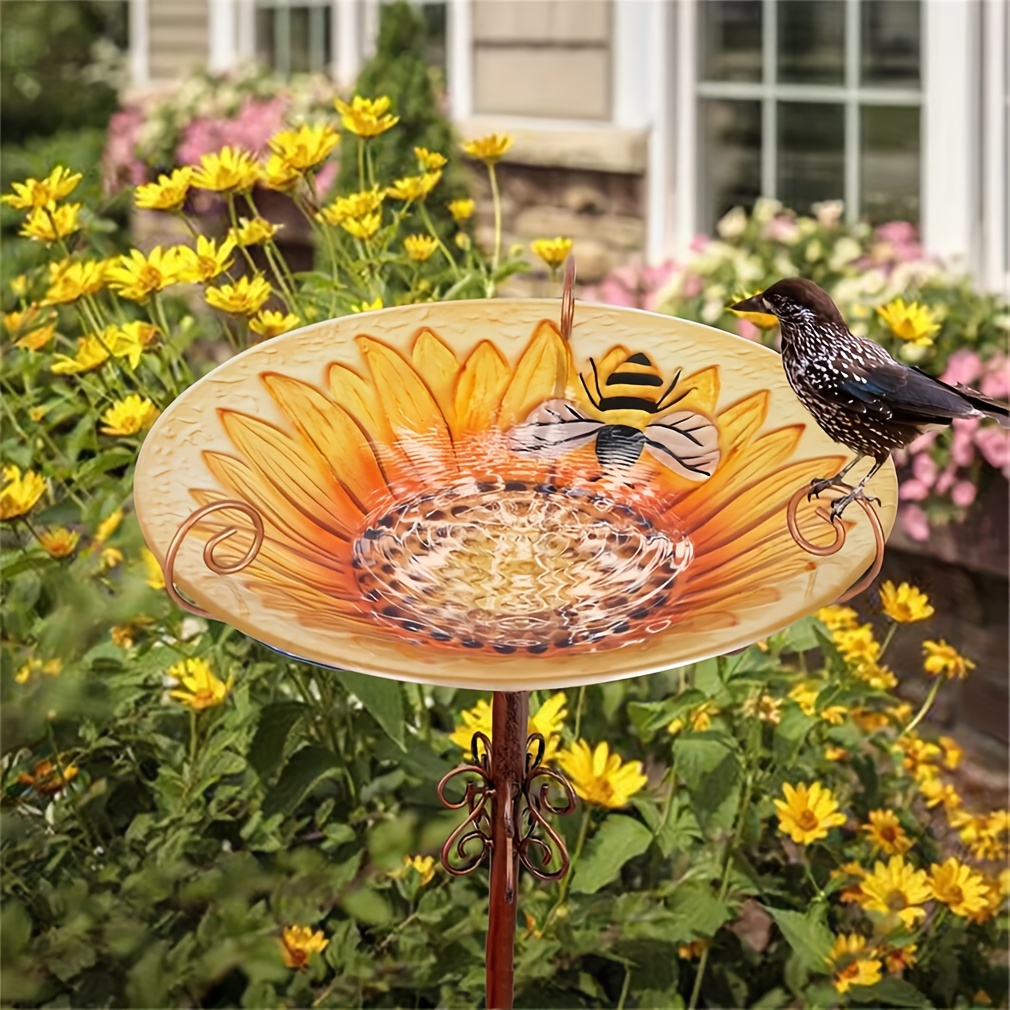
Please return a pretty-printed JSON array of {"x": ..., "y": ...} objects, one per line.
[{"x": 455, "y": 494}]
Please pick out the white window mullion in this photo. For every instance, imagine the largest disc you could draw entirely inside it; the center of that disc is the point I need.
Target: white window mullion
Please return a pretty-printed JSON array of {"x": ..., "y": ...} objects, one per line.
[
  {"x": 687, "y": 161},
  {"x": 948, "y": 138},
  {"x": 346, "y": 44},
  {"x": 995, "y": 126},
  {"x": 459, "y": 57},
  {"x": 140, "y": 43},
  {"x": 769, "y": 102},
  {"x": 853, "y": 140}
]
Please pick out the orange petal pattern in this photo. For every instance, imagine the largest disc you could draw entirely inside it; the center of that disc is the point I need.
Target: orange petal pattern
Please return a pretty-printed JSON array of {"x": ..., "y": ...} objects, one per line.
[{"x": 411, "y": 532}]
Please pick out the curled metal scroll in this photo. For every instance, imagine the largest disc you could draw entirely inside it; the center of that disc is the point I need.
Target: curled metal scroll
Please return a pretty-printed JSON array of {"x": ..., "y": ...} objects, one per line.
[
  {"x": 208, "y": 550},
  {"x": 537, "y": 801},
  {"x": 477, "y": 826},
  {"x": 525, "y": 815},
  {"x": 568, "y": 299},
  {"x": 826, "y": 550}
]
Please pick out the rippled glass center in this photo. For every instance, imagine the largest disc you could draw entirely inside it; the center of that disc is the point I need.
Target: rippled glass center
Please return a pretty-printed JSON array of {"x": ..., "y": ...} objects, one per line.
[{"x": 509, "y": 566}]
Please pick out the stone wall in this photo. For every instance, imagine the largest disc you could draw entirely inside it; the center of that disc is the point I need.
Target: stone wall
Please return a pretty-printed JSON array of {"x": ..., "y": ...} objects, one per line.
[{"x": 604, "y": 212}]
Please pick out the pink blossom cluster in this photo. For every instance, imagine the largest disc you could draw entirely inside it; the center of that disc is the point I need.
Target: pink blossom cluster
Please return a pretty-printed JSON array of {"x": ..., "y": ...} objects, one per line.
[
  {"x": 633, "y": 286},
  {"x": 120, "y": 165},
  {"x": 972, "y": 439},
  {"x": 255, "y": 122},
  {"x": 895, "y": 242}
]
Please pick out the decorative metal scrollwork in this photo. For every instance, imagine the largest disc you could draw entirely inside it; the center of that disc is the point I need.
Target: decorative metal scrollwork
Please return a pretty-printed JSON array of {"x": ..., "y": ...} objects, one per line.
[
  {"x": 477, "y": 826},
  {"x": 537, "y": 801}
]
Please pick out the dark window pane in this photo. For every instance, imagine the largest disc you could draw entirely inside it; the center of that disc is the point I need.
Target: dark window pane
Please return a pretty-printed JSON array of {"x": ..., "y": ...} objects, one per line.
[
  {"x": 730, "y": 40},
  {"x": 811, "y": 43},
  {"x": 265, "y": 36},
  {"x": 890, "y": 163},
  {"x": 811, "y": 155},
  {"x": 435, "y": 44},
  {"x": 730, "y": 170},
  {"x": 299, "y": 53},
  {"x": 891, "y": 49}
]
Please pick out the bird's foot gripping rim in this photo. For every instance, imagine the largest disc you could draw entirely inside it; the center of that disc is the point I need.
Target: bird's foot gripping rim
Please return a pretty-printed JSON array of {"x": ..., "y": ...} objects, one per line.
[{"x": 833, "y": 518}]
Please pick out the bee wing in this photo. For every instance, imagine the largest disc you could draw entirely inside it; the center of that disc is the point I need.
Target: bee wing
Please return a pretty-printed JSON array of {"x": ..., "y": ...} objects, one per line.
[
  {"x": 686, "y": 443},
  {"x": 553, "y": 428}
]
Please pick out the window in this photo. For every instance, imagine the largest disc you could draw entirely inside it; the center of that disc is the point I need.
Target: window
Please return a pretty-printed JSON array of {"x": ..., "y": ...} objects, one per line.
[
  {"x": 294, "y": 36},
  {"x": 810, "y": 100}
]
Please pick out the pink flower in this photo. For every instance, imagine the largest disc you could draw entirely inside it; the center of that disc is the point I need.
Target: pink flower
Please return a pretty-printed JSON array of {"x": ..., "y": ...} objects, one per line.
[
  {"x": 747, "y": 329},
  {"x": 902, "y": 238},
  {"x": 781, "y": 229},
  {"x": 962, "y": 445},
  {"x": 699, "y": 242},
  {"x": 120, "y": 164},
  {"x": 915, "y": 522},
  {"x": 996, "y": 381},
  {"x": 924, "y": 441},
  {"x": 994, "y": 444},
  {"x": 963, "y": 367},
  {"x": 924, "y": 469},
  {"x": 963, "y": 493},
  {"x": 913, "y": 490},
  {"x": 946, "y": 480},
  {"x": 692, "y": 285}
]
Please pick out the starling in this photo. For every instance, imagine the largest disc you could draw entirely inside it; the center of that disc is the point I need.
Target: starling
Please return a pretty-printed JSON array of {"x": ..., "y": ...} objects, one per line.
[{"x": 855, "y": 390}]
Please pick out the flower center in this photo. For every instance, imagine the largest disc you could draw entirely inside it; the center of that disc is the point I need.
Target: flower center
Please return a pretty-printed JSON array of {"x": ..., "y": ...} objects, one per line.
[
  {"x": 513, "y": 565},
  {"x": 896, "y": 900},
  {"x": 807, "y": 820}
]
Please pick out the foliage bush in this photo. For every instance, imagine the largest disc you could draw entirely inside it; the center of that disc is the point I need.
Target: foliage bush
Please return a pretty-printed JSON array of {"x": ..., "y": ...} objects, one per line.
[
  {"x": 189, "y": 819},
  {"x": 955, "y": 332}
]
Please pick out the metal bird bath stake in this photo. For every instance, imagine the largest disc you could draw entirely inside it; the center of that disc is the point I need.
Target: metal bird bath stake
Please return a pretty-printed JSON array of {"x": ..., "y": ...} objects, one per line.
[{"x": 468, "y": 494}]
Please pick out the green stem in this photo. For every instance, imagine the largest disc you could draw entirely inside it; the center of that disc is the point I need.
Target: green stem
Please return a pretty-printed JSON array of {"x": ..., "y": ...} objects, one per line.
[
  {"x": 887, "y": 640},
  {"x": 926, "y": 706},
  {"x": 434, "y": 234},
  {"x": 565, "y": 881},
  {"x": 496, "y": 201}
]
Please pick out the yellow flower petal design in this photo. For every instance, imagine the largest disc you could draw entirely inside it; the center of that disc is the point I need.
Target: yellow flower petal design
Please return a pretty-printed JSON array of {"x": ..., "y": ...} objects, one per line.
[
  {"x": 408, "y": 533},
  {"x": 541, "y": 375},
  {"x": 437, "y": 365},
  {"x": 480, "y": 387}
]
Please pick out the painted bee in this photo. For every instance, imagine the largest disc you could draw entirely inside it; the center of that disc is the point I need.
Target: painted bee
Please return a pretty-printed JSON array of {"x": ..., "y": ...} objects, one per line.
[{"x": 683, "y": 441}]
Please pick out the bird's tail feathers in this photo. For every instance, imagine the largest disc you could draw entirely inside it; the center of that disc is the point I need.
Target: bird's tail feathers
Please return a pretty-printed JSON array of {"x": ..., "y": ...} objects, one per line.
[{"x": 999, "y": 412}]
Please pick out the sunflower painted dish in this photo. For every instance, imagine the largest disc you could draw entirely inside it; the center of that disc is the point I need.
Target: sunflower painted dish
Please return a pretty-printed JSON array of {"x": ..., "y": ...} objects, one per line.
[{"x": 452, "y": 494}]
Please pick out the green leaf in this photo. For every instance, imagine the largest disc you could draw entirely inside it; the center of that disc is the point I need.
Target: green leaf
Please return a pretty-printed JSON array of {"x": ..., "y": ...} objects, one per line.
[
  {"x": 807, "y": 934},
  {"x": 300, "y": 774},
  {"x": 696, "y": 911},
  {"x": 889, "y": 991},
  {"x": 368, "y": 907},
  {"x": 711, "y": 770},
  {"x": 648, "y": 717},
  {"x": 382, "y": 700},
  {"x": 618, "y": 840},
  {"x": 272, "y": 731},
  {"x": 706, "y": 677},
  {"x": 790, "y": 734},
  {"x": 801, "y": 636}
]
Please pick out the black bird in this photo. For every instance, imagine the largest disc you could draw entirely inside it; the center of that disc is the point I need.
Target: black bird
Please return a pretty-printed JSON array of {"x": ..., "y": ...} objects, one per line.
[{"x": 855, "y": 390}]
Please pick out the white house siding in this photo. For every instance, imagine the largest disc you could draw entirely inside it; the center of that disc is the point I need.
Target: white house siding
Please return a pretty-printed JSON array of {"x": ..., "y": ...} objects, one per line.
[{"x": 178, "y": 33}]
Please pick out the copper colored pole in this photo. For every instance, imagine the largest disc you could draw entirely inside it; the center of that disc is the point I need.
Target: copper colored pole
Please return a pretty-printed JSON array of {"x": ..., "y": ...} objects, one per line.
[{"x": 510, "y": 711}]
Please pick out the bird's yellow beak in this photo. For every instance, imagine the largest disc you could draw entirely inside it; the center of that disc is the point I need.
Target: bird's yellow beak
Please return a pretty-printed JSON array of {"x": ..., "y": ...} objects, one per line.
[{"x": 756, "y": 310}]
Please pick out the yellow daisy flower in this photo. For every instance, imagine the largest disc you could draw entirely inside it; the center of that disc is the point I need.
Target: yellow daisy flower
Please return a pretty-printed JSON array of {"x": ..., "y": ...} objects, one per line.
[
  {"x": 958, "y": 886},
  {"x": 808, "y": 812},
  {"x": 942, "y": 658},
  {"x": 48, "y": 778},
  {"x": 168, "y": 193},
  {"x": 355, "y": 205},
  {"x": 896, "y": 889},
  {"x": 362, "y": 227},
  {"x": 952, "y": 752},
  {"x": 72, "y": 279},
  {"x": 429, "y": 161},
  {"x": 271, "y": 324},
  {"x": 366, "y": 117},
  {"x": 91, "y": 353},
  {"x": 553, "y": 251},
  {"x": 305, "y": 147},
  {"x": 422, "y": 865},
  {"x": 108, "y": 526},
  {"x": 129, "y": 416},
  {"x": 905, "y": 604},
  {"x": 599, "y": 777},
  {"x": 299, "y": 943},
  {"x": 837, "y": 618},
  {"x": 764, "y": 708},
  {"x": 200, "y": 688},
  {"x": 413, "y": 187},
  {"x": 420, "y": 247},
  {"x": 253, "y": 232},
  {"x": 851, "y": 963},
  {"x": 51, "y": 668},
  {"x": 34, "y": 193},
  {"x": 50, "y": 223},
  {"x": 367, "y": 306},
  {"x": 805, "y": 695},
  {"x": 278, "y": 174},
  {"x": 691, "y": 951},
  {"x": 19, "y": 494},
  {"x": 699, "y": 718},
  {"x": 834, "y": 753},
  {"x": 205, "y": 262},
  {"x": 30, "y": 328},
  {"x": 858, "y": 646},
  {"x": 461, "y": 210},
  {"x": 936, "y": 792},
  {"x": 488, "y": 149},
  {"x": 154, "y": 577},
  {"x": 913, "y": 323},
  {"x": 244, "y": 297},
  {"x": 230, "y": 170},
  {"x": 131, "y": 340},
  {"x": 878, "y": 677},
  {"x": 886, "y": 833},
  {"x": 137, "y": 277},
  {"x": 898, "y": 960},
  {"x": 919, "y": 756},
  {"x": 58, "y": 541},
  {"x": 547, "y": 721}
]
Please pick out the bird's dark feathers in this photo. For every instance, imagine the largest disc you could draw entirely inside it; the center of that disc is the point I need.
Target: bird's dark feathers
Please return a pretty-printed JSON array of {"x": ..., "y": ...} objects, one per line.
[{"x": 808, "y": 295}]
